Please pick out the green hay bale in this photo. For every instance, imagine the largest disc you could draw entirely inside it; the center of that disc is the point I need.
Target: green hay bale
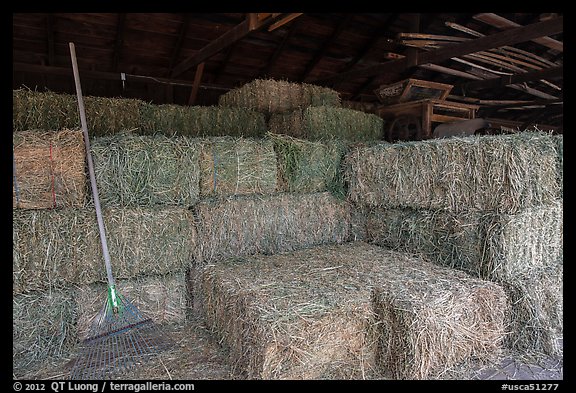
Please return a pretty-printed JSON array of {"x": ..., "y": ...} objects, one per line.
[
  {"x": 305, "y": 166},
  {"x": 268, "y": 224},
  {"x": 198, "y": 121},
  {"x": 43, "y": 327},
  {"x": 323, "y": 122},
  {"x": 48, "y": 169},
  {"x": 536, "y": 321},
  {"x": 52, "y": 112},
  {"x": 486, "y": 244},
  {"x": 59, "y": 247},
  {"x": 236, "y": 166},
  {"x": 274, "y": 96},
  {"x": 164, "y": 299},
  {"x": 331, "y": 312},
  {"x": 472, "y": 173},
  {"x": 143, "y": 170}
]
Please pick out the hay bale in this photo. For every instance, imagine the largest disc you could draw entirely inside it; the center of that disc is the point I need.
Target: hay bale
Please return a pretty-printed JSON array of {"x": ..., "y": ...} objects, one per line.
[
  {"x": 324, "y": 122},
  {"x": 144, "y": 170},
  {"x": 274, "y": 96},
  {"x": 536, "y": 320},
  {"x": 268, "y": 224},
  {"x": 433, "y": 318},
  {"x": 164, "y": 299},
  {"x": 489, "y": 245},
  {"x": 236, "y": 166},
  {"x": 48, "y": 169},
  {"x": 49, "y": 111},
  {"x": 305, "y": 166},
  {"x": 311, "y": 313},
  {"x": 59, "y": 247},
  {"x": 198, "y": 121},
  {"x": 559, "y": 139},
  {"x": 43, "y": 326},
  {"x": 472, "y": 173}
]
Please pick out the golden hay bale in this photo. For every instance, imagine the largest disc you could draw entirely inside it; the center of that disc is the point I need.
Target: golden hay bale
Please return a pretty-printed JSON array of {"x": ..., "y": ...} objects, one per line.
[
  {"x": 63, "y": 246},
  {"x": 48, "y": 169},
  {"x": 268, "y": 224},
  {"x": 347, "y": 311},
  {"x": 236, "y": 166}
]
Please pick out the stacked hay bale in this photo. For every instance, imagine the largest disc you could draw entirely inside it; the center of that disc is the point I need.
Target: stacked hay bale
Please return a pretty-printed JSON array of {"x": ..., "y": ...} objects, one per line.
[
  {"x": 488, "y": 205},
  {"x": 349, "y": 311},
  {"x": 304, "y": 111}
]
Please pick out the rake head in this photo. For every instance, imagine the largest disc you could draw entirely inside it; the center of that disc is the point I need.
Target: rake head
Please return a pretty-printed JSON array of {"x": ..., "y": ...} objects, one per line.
[{"x": 119, "y": 339}]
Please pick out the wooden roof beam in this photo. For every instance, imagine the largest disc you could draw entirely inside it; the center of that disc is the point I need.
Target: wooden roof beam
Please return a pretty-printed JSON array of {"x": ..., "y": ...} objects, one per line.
[
  {"x": 252, "y": 23},
  {"x": 320, "y": 52},
  {"x": 502, "y": 23},
  {"x": 507, "y": 37},
  {"x": 507, "y": 80}
]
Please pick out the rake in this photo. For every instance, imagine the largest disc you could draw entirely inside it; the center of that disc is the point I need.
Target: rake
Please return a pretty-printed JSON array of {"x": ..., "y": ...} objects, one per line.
[{"x": 120, "y": 337}]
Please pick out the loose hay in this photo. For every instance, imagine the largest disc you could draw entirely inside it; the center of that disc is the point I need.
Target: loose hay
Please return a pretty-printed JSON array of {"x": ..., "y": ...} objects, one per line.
[
  {"x": 274, "y": 96},
  {"x": 236, "y": 166},
  {"x": 472, "y": 173},
  {"x": 63, "y": 246},
  {"x": 268, "y": 224},
  {"x": 309, "y": 314},
  {"x": 485, "y": 244},
  {"x": 49, "y": 111},
  {"x": 48, "y": 169},
  {"x": 305, "y": 166},
  {"x": 164, "y": 299},
  {"x": 136, "y": 170},
  {"x": 320, "y": 123},
  {"x": 198, "y": 121},
  {"x": 536, "y": 321},
  {"x": 43, "y": 326},
  {"x": 559, "y": 139}
]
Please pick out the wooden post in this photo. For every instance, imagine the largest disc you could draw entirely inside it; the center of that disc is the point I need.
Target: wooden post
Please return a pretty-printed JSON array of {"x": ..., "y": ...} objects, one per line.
[{"x": 196, "y": 86}]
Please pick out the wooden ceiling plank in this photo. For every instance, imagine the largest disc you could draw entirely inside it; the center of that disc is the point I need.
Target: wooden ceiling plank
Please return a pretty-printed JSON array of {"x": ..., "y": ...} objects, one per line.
[
  {"x": 179, "y": 42},
  {"x": 279, "y": 49},
  {"x": 320, "y": 52},
  {"x": 50, "y": 35},
  {"x": 507, "y": 37},
  {"x": 513, "y": 79},
  {"x": 502, "y": 23},
  {"x": 119, "y": 42}
]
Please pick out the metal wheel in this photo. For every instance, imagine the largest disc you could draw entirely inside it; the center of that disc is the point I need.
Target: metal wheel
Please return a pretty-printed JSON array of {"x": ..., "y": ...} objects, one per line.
[{"x": 404, "y": 128}]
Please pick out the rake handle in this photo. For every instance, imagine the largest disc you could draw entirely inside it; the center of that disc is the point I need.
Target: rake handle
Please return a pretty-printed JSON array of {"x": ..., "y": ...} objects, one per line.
[{"x": 82, "y": 111}]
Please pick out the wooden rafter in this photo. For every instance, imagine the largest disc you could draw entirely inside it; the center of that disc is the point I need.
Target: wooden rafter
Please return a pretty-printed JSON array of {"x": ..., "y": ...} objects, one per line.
[
  {"x": 502, "y": 23},
  {"x": 252, "y": 23},
  {"x": 508, "y": 80},
  {"x": 196, "y": 85},
  {"x": 507, "y": 37},
  {"x": 222, "y": 66},
  {"x": 320, "y": 52}
]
